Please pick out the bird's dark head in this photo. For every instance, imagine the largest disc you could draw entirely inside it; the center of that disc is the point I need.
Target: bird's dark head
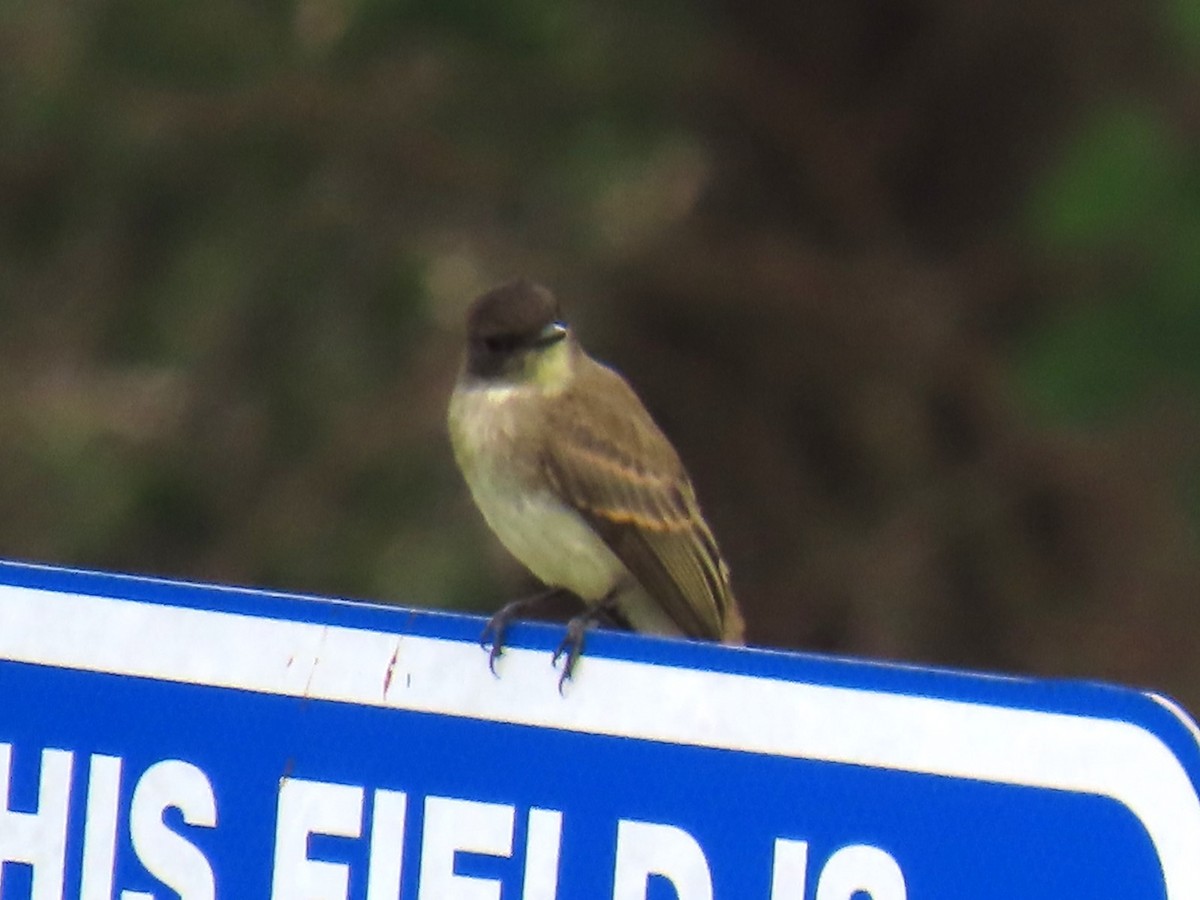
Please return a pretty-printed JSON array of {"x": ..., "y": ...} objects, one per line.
[{"x": 512, "y": 331}]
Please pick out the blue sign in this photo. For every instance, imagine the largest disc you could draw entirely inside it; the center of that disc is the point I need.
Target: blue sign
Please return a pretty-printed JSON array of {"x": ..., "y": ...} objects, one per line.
[{"x": 162, "y": 740}]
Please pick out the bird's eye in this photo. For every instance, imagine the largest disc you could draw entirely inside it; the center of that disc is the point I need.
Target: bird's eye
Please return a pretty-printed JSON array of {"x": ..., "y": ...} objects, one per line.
[{"x": 499, "y": 343}]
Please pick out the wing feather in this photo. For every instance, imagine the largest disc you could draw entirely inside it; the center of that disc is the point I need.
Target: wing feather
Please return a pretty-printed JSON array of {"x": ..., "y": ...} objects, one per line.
[{"x": 619, "y": 471}]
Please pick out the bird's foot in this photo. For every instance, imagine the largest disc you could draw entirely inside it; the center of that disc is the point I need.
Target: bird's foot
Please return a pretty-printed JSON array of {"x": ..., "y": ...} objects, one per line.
[
  {"x": 492, "y": 637},
  {"x": 571, "y": 647}
]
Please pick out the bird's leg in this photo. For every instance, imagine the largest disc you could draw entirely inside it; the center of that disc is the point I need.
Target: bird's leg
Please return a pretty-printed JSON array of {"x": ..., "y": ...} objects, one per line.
[
  {"x": 605, "y": 610},
  {"x": 510, "y": 612}
]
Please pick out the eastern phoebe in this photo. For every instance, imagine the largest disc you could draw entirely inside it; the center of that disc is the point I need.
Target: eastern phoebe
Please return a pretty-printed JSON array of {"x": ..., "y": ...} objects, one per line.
[{"x": 577, "y": 481}]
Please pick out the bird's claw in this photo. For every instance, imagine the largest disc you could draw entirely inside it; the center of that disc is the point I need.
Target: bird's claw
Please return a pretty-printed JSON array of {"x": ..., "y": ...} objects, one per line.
[
  {"x": 495, "y": 647},
  {"x": 492, "y": 636},
  {"x": 571, "y": 648}
]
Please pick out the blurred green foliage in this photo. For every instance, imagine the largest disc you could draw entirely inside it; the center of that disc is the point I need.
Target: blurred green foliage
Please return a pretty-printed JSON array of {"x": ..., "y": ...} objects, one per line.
[
  {"x": 1125, "y": 203},
  {"x": 932, "y": 264},
  {"x": 219, "y": 232}
]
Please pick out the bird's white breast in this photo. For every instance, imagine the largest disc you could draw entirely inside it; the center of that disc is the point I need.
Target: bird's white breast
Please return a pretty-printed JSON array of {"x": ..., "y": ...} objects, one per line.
[{"x": 549, "y": 537}]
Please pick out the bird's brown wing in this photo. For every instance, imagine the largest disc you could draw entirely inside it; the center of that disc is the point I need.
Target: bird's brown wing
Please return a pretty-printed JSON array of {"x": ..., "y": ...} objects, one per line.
[{"x": 611, "y": 462}]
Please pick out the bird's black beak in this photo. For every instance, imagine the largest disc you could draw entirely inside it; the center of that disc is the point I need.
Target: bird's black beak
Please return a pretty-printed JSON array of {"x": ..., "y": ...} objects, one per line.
[{"x": 551, "y": 334}]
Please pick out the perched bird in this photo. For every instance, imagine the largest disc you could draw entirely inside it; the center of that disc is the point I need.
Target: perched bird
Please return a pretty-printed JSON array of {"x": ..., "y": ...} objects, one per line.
[{"x": 577, "y": 481}]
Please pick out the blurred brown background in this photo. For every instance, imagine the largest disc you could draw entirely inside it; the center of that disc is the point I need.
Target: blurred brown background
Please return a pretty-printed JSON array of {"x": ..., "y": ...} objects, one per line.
[{"x": 913, "y": 285}]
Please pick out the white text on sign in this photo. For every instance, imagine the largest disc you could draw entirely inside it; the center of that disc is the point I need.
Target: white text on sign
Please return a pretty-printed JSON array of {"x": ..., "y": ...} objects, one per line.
[{"x": 38, "y": 838}]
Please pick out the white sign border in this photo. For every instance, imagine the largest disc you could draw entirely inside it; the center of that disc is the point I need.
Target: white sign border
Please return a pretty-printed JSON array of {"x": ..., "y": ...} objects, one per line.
[{"x": 748, "y": 713}]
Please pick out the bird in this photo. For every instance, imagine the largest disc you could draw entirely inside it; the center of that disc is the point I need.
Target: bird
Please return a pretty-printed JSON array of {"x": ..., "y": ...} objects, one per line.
[{"x": 577, "y": 481}]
